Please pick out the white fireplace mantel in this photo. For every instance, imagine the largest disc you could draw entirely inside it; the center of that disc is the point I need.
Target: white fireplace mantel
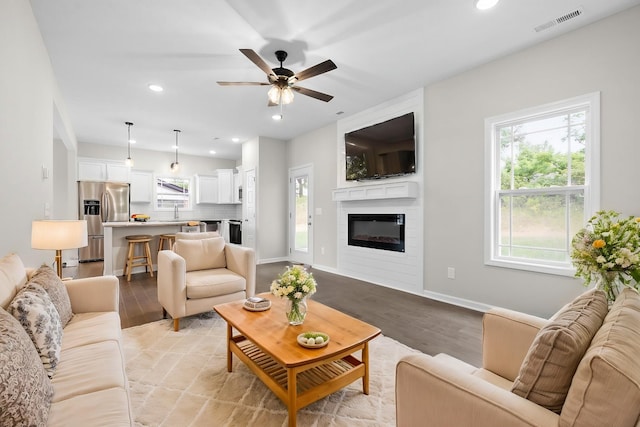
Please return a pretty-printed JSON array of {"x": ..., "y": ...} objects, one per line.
[{"x": 391, "y": 190}]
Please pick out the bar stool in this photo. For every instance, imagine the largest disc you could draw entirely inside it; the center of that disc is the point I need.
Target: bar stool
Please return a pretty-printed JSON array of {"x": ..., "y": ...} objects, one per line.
[
  {"x": 132, "y": 258},
  {"x": 169, "y": 238}
]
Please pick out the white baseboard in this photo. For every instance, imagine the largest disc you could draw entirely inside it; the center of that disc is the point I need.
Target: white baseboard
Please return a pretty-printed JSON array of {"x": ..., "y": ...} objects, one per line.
[
  {"x": 461, "y": 302},
  {"x": 272, "y": 260}
]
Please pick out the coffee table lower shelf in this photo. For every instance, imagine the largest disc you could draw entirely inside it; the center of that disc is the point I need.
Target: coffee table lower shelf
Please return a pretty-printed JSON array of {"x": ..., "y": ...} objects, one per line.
[{"x": 312, "y": 382}]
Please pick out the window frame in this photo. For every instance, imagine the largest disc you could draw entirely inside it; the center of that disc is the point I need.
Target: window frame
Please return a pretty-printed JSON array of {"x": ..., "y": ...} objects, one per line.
[
  {"x": 170, "y": 209},
  {"x": 591, "y": 186}
]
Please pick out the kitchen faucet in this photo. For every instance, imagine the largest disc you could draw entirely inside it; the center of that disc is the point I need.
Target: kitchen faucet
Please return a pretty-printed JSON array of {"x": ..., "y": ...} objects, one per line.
[{"x": 176, "y": 214}]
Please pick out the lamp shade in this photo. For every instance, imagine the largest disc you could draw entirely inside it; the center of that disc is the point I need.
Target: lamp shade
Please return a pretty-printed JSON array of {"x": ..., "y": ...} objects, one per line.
[{"x": 59, "y": 234}]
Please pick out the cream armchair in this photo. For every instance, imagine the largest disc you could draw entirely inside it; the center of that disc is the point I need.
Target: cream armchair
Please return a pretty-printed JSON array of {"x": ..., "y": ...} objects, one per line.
[
  {"x": 578, "y": 369},
  {"x": 202, "y": 271}
]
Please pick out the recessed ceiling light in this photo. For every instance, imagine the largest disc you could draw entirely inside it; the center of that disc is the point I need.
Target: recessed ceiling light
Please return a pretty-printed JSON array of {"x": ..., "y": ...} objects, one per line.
[
  {"x": 235, "y": 139},
  {"x": 486, "y": 4},
  {"x": 212, "y": 152},
  {"x": 132, "y": 141},
  {"x": 155, "y": 88},
  {"x": 277, "y": 117}
]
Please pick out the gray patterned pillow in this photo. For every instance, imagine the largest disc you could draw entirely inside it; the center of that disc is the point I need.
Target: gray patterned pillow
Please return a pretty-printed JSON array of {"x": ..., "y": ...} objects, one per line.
[
  {"x": 49, "y": 280},
  {"x": 38, "y": 316},
  {"x": 25, "y": 389}
]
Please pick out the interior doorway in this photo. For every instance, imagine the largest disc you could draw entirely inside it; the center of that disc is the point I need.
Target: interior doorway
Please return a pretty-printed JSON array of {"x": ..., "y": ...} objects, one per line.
[{"x": 300, "y": 214}]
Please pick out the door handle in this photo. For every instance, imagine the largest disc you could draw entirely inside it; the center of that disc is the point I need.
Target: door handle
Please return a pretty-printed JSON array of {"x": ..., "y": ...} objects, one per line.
[{"x": 104, "y": 212}]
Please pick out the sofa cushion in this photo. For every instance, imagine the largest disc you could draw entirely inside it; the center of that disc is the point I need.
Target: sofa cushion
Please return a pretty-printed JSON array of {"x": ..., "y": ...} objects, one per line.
[
  {"x": 202, "y": 254},
  {"x": 25, "y": 389},
  {"x": 89, "y": 368},
  {"x": 606, "y": 387},
  {"x": 549, "y": 366},
  {"x": 49, "y": 280},
  {"x": 13, "y": 277},
  {"x": 38, "y": 316},
  {"x": 90, "y": 328},
  {"x": 104, "y": 408},
  {"x": 212, "y": 283}
]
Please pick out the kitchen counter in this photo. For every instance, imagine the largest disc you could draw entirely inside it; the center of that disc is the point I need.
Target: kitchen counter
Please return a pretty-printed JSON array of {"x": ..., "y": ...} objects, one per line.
[{"x": 116, "y": 245}]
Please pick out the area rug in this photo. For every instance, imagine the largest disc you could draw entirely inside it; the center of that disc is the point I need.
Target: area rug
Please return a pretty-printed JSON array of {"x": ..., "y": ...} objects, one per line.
[{"x": 181, "y": 379}]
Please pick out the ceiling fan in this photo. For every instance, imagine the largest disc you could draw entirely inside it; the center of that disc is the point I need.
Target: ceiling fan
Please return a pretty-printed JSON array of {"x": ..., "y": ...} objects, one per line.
[{"x": 283, "y": 81}]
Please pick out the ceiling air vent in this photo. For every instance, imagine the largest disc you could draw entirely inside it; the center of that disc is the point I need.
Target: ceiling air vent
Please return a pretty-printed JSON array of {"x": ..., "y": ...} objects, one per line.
[{"x": 564, "y": 18}]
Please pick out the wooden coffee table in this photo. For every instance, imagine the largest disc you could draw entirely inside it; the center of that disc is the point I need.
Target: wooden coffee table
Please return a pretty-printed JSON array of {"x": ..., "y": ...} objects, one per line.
[{"x": 299, "y": 376}]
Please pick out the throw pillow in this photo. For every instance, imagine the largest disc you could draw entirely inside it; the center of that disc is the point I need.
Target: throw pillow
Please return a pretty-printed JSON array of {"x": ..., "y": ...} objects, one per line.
[
  {"x": 25, "y": 389},
  {"x": 38, "y": 316},
  {"x": 552, "y": 360},
  {"x": 49, "y": 280},
  {"x": 203, "y": 254},
  {"x": 605, "y": 390},
  {"x": 13, "y": 277}
]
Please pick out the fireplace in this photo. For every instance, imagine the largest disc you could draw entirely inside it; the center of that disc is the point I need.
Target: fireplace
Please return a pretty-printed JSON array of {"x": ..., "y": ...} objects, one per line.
[{"x": 377, "y": 231}]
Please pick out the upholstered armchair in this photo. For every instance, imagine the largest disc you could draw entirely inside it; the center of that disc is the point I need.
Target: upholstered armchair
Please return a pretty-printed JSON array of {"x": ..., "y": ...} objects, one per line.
[
  {"x": 578, "y": 369},
  {"x": 202, "y": 271}
]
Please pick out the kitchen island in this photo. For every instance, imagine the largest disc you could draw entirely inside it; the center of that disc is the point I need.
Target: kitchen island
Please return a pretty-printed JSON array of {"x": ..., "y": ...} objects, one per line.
[{"x": 116, "y": 246}]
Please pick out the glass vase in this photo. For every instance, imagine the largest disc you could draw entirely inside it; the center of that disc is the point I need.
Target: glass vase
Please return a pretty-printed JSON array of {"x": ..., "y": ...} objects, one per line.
[
  {"x": 296, "y": 310},
  {"x": 611, "y": 284}
]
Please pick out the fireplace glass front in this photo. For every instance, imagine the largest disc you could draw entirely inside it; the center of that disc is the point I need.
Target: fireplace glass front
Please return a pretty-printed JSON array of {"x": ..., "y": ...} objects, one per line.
[{"x": 377, "y": 231}]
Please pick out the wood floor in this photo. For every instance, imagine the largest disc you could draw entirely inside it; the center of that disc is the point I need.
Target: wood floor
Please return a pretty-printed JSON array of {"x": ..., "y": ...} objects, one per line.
[{"x": 423, "y": 324}]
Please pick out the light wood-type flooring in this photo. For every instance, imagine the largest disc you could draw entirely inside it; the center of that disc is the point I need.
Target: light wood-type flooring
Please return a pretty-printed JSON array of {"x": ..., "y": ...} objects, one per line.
[{"x": 429, "y": 326}]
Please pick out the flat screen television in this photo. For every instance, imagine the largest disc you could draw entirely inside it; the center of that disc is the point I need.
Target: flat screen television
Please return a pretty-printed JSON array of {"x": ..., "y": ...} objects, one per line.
[{"x": 381, "y": 150}]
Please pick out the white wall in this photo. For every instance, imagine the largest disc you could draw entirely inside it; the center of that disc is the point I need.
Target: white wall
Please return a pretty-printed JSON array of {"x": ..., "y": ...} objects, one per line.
[
  {"x": 271, "y": 224},
  {"x": 319, "y": 148},
  {"x": 600, "y": 57},
  {"x": 28, "y": 98}
]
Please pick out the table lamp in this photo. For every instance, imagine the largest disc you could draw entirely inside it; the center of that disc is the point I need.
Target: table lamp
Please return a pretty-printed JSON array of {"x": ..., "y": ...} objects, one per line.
[{"x": 59, "y": 235}]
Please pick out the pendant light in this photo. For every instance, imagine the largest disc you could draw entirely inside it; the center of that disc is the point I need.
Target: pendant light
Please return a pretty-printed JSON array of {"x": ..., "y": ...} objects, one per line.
[
  {"x": 175, "y": 166},
  {"x": 129, "y": 161}
]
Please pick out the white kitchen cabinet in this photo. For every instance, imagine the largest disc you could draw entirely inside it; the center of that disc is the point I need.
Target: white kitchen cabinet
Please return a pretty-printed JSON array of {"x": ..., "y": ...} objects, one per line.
[
  {"x": 225, "y": 185},
  {"x": 102, "y": 170},
  {"x": 92, "y": 170},
  {"x": 217, "y": 188},
  {"x": 237, "y": 188},
  {"x": 206, "y": 189},
  {"x": 141, "y": 186},
  {"x": 117, "y": 172}
]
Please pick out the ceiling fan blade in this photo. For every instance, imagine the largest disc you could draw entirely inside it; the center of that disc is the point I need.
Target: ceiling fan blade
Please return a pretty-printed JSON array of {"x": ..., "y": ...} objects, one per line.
[
  {"x": 243, "y": 84},
  {"x": 312, "y": 93},
  {"x": 320, "y": 68},
  {"x": 255, "y": 58}
]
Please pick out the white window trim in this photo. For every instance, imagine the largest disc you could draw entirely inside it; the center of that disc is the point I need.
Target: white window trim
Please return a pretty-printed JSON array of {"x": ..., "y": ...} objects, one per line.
[
  {"x": 155, "y": 193},
  {"x": 592, "y": 177}
]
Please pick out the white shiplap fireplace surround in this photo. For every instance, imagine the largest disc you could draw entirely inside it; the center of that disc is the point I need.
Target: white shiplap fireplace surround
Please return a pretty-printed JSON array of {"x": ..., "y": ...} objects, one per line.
[{"x": 396, "y": 195}]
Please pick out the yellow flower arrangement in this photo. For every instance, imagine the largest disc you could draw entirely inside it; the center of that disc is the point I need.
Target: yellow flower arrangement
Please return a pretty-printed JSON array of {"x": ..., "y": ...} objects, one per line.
[{"x": 607, "y": 251}]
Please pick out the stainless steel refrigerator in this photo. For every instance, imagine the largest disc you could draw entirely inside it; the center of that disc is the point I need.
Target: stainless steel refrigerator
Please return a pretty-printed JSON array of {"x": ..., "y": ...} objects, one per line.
[{"x": 100, "y": 202}]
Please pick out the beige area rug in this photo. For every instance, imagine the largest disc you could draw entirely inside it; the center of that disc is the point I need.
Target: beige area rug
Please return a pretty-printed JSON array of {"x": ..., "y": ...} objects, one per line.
[{"x": 181, "y": 379}]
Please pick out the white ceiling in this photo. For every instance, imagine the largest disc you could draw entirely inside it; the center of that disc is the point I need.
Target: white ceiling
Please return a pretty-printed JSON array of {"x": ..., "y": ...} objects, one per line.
[{"x": 105, "y": 53}]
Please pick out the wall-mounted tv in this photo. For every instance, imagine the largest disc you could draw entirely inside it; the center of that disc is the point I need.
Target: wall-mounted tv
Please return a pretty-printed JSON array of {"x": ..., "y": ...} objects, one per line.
[{"x": 381, "y": 150}]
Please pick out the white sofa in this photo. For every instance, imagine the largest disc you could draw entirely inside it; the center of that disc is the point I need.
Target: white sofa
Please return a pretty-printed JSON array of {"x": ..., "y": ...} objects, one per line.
[{"x": 90, "y": 386}]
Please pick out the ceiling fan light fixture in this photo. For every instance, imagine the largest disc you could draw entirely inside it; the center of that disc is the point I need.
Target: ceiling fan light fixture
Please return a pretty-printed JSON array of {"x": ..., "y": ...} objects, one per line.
[
  {"x": 274, "y": 94},
  {"x": 286, "y": 95},
  {"x": 486, "y": 4}
]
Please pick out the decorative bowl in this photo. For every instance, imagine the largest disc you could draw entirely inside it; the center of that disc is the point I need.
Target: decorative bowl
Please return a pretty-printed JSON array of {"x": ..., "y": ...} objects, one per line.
[{"x": 304, "y": 339}]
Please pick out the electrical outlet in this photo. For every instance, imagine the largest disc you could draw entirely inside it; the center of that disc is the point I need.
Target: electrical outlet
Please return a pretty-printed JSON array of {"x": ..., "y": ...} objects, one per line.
[
  {"x": 451, "y": 273},
  {"x": 322, "y": 250}
]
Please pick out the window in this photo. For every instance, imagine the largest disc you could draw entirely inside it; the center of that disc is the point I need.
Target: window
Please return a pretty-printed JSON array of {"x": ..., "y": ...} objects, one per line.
[
  {"x": 172, "y": 192},
  {"x": 542, "y": 183}
]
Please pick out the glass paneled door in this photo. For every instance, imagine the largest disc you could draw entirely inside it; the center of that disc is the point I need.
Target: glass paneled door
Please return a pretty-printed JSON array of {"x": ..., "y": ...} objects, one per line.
[{"x": 300, "y": 215}]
